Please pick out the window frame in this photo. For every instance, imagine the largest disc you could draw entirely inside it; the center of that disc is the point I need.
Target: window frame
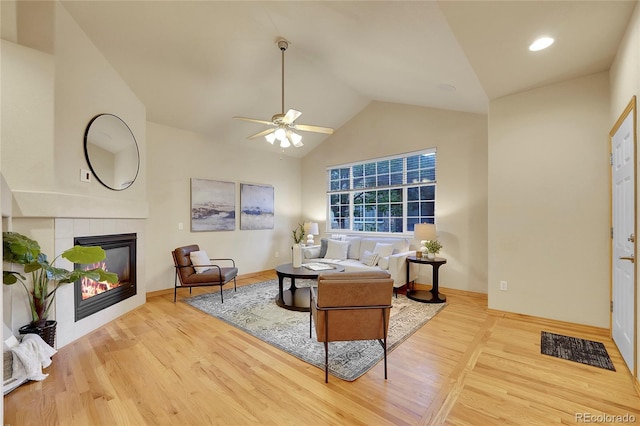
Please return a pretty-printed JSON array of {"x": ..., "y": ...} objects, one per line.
[{"x": 346, "y": 182}]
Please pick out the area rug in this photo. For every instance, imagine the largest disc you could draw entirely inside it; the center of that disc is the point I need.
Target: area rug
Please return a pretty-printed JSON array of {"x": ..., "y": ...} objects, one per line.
[
  {"x": 575, "y": 349},
  {"x": 253, "y": 309}
]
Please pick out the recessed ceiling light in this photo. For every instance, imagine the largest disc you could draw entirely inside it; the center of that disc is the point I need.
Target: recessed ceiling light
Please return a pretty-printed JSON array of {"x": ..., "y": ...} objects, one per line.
[
  {"x": 447, "y": 87},
  {"x": 541, "y": 43}
]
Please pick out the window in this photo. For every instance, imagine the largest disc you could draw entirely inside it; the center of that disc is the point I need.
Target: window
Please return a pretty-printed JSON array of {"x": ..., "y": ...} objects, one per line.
[{"x": 388, "y": 194}]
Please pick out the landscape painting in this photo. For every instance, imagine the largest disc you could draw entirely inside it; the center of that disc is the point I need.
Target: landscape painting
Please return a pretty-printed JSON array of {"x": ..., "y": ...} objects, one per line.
[
  {"x": 213, "y": 205},
  {"x": 256, "y": 206}
]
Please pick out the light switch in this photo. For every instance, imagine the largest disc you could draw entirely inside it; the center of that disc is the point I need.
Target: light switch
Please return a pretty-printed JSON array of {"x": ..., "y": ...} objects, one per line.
[{"x": 85, "y": 175}]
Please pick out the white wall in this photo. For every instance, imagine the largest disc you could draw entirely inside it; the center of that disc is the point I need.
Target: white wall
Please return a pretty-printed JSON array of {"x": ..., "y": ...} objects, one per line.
[
  {"x": 27, "y": 85},
  {"x": 48, "y": 101},
  {"x": 461, "y": 211},
  {"x": 549, "y": 201},
  {"x": 48, "y": 98},
  {"x": 87, "y": 85},
  {"x": 624, "y": 80},
  {"x": 625, "y": 70},
  {"x": 176, "y": 156},
  {"x": 27, "y": 102}
]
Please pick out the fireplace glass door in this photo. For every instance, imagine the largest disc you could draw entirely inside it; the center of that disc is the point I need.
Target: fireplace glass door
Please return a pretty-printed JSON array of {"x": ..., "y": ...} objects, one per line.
[{"x": 92, "y": 296}]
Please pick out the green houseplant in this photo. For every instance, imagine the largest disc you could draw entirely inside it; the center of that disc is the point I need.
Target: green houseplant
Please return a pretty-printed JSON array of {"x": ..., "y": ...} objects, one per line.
[
  {"x": 46, "y": 279},
  {"x": 433, "y": 246},
  {"x": 298, "y": 233},
  {"x": 296, "y": 250}
]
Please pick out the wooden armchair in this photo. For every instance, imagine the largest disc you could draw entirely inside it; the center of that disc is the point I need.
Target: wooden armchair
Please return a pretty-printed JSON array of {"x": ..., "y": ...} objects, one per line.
[
  {"x": 204, "y": 272},
  {"x": 351, "y": 306}
]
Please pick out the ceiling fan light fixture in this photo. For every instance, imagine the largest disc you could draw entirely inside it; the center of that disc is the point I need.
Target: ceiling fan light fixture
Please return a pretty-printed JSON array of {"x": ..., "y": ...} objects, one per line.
[
  {"x": 283, "y": 123},
  {"x": 284, "y": 143},
  {"x": 280, "y": 134},
  {"x": 295, "y": 138},
  {"x": 270, "y": 137}
]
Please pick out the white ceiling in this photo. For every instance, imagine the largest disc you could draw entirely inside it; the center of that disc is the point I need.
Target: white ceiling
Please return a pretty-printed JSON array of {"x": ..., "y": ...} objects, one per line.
[{"x": 196, "y": 64}]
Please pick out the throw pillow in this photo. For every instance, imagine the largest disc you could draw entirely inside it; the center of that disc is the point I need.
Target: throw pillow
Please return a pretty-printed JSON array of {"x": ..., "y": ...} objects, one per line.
[
  {"x": 337, "y": 249},
  {"x": 369, "y": 259},
  {"x": 200, "y": 258},
  {"x": 354, "y": 247},
  {"x": 383, "y": 250},
  {"x": 311, "y": 252},
  {"x": 383, "y": 263},
  {"x": 323, "y": 247}
]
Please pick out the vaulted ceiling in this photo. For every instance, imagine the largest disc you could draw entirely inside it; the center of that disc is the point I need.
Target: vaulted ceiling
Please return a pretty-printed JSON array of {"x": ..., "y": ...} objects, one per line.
[{"x": 196, "y": 64}]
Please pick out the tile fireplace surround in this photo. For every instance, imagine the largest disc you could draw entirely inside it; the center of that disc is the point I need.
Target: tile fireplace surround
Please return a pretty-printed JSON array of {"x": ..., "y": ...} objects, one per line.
[{"x": 66, "y": 229}]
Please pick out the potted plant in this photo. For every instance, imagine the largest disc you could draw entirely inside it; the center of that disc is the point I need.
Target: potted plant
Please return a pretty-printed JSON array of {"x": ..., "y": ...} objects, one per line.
[
  {"x": 433, "y": 247},
  {"x": 46, "y": 278},
  {"x": 298, "y": 234},
  {"x": 298, "y": 237}
]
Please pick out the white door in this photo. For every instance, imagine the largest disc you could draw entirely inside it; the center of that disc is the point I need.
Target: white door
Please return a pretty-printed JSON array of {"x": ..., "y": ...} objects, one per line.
[{"x": 624, "y": 234}]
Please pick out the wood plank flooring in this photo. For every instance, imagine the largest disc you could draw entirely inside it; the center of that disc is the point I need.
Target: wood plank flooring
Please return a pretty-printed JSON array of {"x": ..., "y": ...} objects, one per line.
[{"x": 170, "y": 364}]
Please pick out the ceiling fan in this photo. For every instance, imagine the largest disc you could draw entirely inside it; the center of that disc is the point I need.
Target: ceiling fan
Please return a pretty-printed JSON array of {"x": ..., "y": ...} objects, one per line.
[{"x": 283, "y": 125}]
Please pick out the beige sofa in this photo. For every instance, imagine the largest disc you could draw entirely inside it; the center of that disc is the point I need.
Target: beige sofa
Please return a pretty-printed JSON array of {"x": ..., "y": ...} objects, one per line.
[{"x": 392, "y": 257}]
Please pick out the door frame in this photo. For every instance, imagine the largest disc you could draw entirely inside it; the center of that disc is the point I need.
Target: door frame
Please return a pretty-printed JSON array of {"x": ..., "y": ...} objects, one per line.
[{"x": 629, "y": 109}]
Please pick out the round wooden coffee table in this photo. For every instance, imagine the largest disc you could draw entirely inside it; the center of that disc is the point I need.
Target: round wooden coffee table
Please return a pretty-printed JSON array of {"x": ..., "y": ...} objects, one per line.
[{"x": 297, "y": 298}]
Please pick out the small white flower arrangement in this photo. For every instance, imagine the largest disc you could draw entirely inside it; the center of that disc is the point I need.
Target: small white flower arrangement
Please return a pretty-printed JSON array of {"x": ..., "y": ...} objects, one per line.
[{"x": 432, "y": 246}]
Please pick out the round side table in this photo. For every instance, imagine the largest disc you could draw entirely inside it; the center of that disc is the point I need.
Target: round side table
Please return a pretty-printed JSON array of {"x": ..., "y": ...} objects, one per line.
[{"x": 426, "y": 296}]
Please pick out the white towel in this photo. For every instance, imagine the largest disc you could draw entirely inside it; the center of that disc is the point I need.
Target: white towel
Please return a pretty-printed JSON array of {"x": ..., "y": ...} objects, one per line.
[{"x": 34, "y": 354}]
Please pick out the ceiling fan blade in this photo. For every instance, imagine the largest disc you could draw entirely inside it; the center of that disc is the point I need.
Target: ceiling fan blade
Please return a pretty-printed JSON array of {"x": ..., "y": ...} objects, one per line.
[
  {"x": 291, "y": 116},
  {"x": 317, "y": 129},
  {"x": 262, "y": 133},
  {"x": 254, "y": 120}
]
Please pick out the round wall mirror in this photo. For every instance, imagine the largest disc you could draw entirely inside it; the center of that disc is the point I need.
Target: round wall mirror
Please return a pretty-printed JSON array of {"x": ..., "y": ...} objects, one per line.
[{"x": 111, "y": 151}]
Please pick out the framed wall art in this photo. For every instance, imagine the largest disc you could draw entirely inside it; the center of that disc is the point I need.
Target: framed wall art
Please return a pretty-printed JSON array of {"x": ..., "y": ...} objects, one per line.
[
  {"x": 213, "y": 205},
  {"x": 256, "y": 206}
]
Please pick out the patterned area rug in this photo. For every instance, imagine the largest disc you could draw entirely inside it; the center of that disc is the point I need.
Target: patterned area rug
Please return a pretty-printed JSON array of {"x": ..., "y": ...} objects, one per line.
[
  {"x": 253, "y": 309},
  {"x": 575, "y": 349}
]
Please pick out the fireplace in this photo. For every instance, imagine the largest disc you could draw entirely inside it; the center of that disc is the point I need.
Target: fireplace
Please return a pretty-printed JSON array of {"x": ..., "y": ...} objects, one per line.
[{"x": 92, "y": 296}]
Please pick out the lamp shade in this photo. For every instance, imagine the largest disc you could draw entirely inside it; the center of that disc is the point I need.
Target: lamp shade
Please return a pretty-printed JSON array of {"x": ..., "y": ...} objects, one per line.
[
  {"x": 424, "y": 231},
  {"x": 271, "y": 138},
  {"x": 284, "y": 143},
  {"x": 313, "y": 228},
  {"x": 295, "y": 138},
  {"x": 280, "y": 133}
]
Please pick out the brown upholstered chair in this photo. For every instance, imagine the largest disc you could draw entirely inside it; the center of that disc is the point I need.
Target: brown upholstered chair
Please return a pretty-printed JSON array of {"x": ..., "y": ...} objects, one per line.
[
  {"x": 213, "y": 275},
  {"x": 351, "y": 306}
]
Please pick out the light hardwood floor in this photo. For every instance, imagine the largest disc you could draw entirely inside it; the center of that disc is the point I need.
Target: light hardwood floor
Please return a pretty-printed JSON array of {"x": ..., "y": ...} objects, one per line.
[{"x": 170, "y": 364}]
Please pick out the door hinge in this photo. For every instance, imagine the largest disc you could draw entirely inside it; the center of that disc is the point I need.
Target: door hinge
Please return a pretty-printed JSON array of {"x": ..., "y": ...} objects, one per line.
[
  {"x": 611, "y": 159},
  {"x": 611, "y": 307},
  {"x": 612, "y": 232}
]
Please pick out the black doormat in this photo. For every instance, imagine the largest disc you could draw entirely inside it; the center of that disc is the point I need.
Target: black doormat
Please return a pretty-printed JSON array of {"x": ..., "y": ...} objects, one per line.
[{"x": 575, "y": 349}]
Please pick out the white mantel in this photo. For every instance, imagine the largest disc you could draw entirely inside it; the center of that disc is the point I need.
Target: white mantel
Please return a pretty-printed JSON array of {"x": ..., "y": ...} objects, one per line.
[{"x": 65, "y": 205}]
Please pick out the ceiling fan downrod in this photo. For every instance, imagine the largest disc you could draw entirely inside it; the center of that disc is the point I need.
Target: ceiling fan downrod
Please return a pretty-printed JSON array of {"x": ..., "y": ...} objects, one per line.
[{"x": 283, "y": 45}]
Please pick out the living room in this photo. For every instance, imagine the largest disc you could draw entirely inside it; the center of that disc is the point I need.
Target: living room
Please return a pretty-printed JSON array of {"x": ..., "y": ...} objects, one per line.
[{"x": 523, "y": 191}]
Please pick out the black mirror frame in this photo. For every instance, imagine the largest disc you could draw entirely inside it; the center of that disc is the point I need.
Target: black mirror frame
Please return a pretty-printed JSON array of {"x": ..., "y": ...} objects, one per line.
[{"x": 86, "y": 151}]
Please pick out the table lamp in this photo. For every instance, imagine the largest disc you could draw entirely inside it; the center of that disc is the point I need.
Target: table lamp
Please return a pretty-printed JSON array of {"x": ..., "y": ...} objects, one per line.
[
  {"x": 423, "y": 232},
  {"x": 312, "y": 229}
]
